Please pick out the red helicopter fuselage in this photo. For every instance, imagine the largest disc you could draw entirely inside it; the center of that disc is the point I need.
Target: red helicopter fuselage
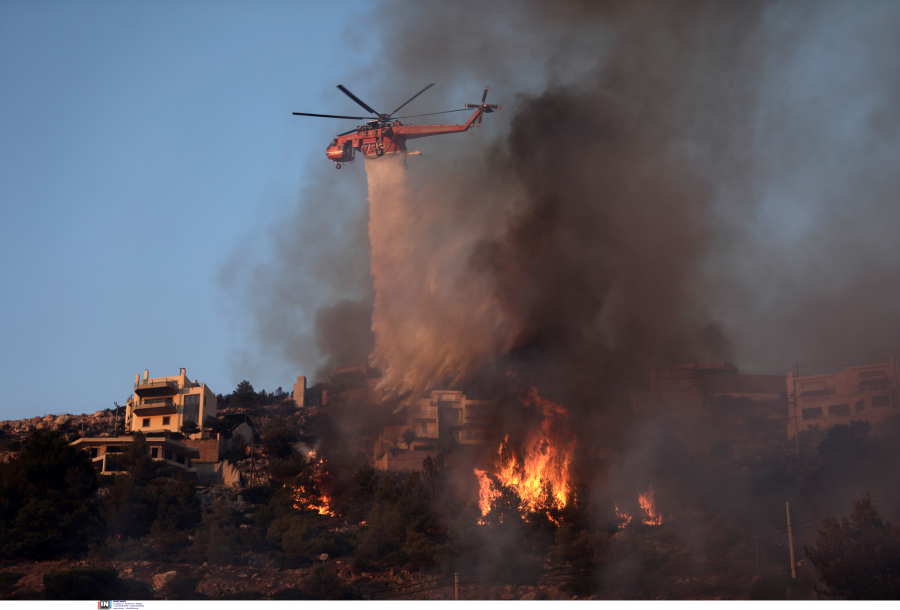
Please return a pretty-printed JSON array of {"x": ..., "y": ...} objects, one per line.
[
  {"x": 374, "y": 141},
  {"x": 386, "y": 135}
]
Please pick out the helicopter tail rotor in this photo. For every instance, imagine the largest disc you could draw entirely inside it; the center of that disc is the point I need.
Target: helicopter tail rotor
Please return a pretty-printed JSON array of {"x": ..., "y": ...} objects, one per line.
[{"x": 485, "y": 108}]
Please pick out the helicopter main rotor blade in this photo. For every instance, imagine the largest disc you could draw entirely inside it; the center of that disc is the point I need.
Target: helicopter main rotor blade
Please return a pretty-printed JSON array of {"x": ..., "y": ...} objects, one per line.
[
  {"x": 411, "y": 99},
  {"x": 484, "y": 96},
  {"x": 355, "y": 99},
  {"x": 331, "y": 116},
  {"x": 412, "y": 116}
]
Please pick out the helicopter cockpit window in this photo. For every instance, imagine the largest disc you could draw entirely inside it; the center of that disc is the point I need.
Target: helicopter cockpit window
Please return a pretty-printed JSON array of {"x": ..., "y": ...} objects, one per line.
[{"x": 334, "y": 142}]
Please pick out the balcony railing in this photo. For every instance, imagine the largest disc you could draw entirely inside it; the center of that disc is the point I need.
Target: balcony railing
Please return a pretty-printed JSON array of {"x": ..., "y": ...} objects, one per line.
[
  {"x": 150, "y": 389},
  {"x": 159, "y": 406}
]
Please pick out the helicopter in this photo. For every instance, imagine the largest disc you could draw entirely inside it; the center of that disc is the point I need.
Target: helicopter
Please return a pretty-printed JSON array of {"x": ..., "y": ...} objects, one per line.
[{"x": 386, "y": 135}]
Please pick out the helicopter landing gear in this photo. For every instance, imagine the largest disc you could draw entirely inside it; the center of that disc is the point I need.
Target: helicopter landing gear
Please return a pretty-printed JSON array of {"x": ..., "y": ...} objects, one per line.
[{"x": 337, "y": 166}]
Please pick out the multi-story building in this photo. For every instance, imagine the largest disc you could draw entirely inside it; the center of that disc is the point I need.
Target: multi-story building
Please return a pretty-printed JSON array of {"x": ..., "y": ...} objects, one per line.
[
  {"x": 165, "y": 403},
  {"x": 157, "y": 408},
  {"x": 863, "y": 393},
  {"x": 443, "y": 416},
  {"x": 691, "y": 389}
]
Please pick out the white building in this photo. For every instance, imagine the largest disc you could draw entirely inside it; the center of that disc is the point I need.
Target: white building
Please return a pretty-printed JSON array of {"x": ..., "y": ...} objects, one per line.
[{"x": 863, "y": 393}]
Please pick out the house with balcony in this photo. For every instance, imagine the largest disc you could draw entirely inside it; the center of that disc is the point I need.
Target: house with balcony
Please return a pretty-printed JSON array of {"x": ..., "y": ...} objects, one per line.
[
  {"x": 105, "y": 450},
  {"x": 165, "y": 403},
  {"x": 440, "y": 417},
  {"x": 157, "y": 408},
  {"x": 863, "y": 393}
]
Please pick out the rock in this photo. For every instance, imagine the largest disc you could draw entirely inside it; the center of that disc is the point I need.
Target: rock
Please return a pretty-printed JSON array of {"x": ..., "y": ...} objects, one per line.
[
  {"x": 50, "y": 418},
  {"x": 63, "y": 419},
  {"x": 205, "y": 565},
  {"x": 160, "y": 580},
  {"x": 98, "y": 414},
  {"x": 127, "y": 571},
  {"x": 271, "y": 585},
  {"x": 323, "y": 557},
  {"x": 507, "y": 596},
  {"x": 242, "y": 576},
  {"x": 528, "y": 596}
]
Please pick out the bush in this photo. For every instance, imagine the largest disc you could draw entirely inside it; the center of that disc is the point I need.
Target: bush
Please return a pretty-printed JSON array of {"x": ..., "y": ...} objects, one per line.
[
  {"x": 183, "y": 587},
  {"x": 292, "y": 594},
  {"x": 858, "y": 558},
  {"x": 322, "y": 583},
  {"x": 45, "y": 499},
  {"x": 92, "y": 583},
  {"x": 8, "y": 581}
]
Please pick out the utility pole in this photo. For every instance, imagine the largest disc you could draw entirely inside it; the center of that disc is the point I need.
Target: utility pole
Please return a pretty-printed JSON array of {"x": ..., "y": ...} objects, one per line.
[
  {"x": 756, "y": 540},
  {"x": 251, "y": 458},
  {"x": 792, "y": 402},
  {"x": 787, "y": 507},
  {"x": 456, "y": 586}
]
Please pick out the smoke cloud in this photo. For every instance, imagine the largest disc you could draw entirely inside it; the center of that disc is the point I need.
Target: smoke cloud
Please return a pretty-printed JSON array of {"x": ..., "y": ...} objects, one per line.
[{"x": 696, "y": 182}]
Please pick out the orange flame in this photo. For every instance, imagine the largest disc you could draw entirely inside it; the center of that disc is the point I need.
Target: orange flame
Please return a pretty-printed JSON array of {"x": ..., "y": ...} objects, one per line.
[
  {"x": 621, "y": 515},
  {"x": 304, "y": 498},
  {"x": 540, "y": 476},
  {"x": 651, "y": 516},
  {"x": 302, "y": 501}
]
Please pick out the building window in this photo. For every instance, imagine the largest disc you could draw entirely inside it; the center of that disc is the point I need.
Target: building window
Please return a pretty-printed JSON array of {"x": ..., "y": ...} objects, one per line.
[
  {"x": 191, "y": 408},
  {"x": 839, "y": 410},
  {"x": 93, "y": 452},
  {"x": 881, "y": 401},
  {"x": 180, "y": 458},
  {"x": 166, "y": 421},
  {"x": 168, "y": 454},
  {"x": 113, "y": 449},
  {"x": 871, "y": 374},
  {"x": 145, "y": 423},
  {"x": 813, "y": 413},
  {"x": 812, "y": 385},
  {"x": 860, "y": 406},
  {"x": 154, "y": 452}
]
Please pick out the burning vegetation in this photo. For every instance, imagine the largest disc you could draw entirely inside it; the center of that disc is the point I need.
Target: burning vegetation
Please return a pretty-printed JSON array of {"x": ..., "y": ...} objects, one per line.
[{"x": 538, "y": 475}]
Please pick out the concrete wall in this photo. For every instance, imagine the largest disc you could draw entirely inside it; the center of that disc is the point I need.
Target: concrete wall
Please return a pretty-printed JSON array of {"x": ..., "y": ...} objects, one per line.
[
  {"x": 211, "y": 450},
  {"x": 221, "y": 473}
]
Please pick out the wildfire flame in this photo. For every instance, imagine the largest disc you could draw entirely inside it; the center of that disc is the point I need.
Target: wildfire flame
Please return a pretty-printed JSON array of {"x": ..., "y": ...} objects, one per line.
[
  {"x": 486, "y": 493},
  {"x": 651, "y": 516},
  {"x": 540, "y": 476},
  {"x": 621, "y": 515},
  {"x": 305, "y": 496}
]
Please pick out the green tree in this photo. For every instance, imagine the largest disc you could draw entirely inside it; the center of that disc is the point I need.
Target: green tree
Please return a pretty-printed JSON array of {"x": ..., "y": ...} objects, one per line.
[
  {"x": 408, "y": 437},
  {"x": 278, "y": 439},
  {"x": 858, "y": 558},
  {"x": 189, "y": 427},
  {"x": 238, "y": 449},
  {"x": 45, "y": 499},
  {"x": 219, "y": 426},
  {"x": 244, "y": 396}
]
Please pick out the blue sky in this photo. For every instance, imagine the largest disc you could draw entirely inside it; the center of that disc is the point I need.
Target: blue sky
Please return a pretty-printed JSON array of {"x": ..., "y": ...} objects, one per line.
[
  {"x": 152, "y": 177},
  {"x": 140, "y": 143}
]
